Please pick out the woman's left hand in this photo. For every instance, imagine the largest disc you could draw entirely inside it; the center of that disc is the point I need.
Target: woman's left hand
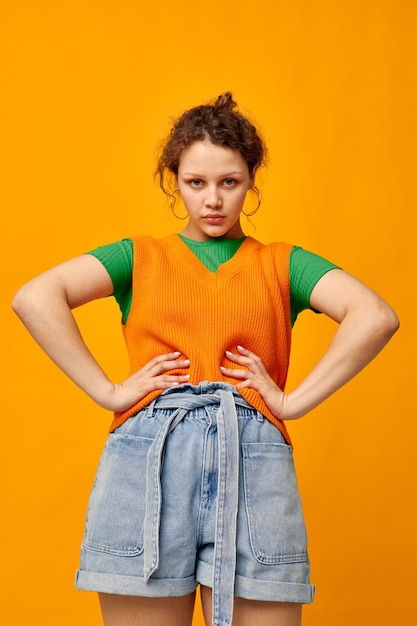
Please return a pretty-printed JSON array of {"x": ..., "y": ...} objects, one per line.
[
  {"x": 366, "y": 323},
  {"x": 256, "y": 376}
]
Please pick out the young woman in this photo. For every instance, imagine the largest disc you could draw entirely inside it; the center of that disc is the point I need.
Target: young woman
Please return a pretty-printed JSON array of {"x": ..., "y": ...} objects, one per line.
[{"x": 196, "y": 484}]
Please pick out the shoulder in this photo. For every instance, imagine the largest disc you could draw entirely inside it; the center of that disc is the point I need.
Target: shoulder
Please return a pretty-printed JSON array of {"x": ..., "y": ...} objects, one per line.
[
  {"x": 149, "y": 251},
  {"x": 141, "y": 242},
  {"x": 276, "y": 253},
  {"x": 274, "y": 248},
  {"x": 115, "y": 256},
  {"x": 308, "y": 265}
]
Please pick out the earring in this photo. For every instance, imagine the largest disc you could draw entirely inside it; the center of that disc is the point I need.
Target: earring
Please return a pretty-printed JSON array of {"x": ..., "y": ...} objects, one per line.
[
  {"x": 172, "y": 201},
  {"x": 258, "y": 193}
]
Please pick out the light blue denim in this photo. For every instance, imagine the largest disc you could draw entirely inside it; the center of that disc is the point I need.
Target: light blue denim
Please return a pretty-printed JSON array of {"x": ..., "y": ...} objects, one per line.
[{"x": 198, "y": 487}]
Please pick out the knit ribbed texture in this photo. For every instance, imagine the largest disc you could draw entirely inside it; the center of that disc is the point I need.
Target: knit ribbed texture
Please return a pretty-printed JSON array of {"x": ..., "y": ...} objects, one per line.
[
  {"x": 178, "y": 304},
  {"x": 213, "y": 252}
]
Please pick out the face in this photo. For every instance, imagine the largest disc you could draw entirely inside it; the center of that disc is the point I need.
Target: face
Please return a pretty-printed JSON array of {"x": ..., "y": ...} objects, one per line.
[{"x": 213, "y": 182}]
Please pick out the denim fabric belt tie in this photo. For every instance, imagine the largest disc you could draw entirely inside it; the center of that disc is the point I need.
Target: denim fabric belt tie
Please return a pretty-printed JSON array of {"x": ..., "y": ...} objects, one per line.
[{"x": 227, "y": 487}]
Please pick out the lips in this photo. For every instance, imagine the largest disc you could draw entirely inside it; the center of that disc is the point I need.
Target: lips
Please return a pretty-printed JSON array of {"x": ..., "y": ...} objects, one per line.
[{"x": 214, "y": 218}]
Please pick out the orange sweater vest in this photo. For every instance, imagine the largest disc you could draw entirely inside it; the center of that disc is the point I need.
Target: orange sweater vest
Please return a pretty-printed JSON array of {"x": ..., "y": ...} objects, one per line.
[{"x": 178, "y": 304}]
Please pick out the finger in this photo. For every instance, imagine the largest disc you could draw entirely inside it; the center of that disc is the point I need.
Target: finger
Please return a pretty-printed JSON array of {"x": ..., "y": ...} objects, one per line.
[
  {"x": 172, "y": 378},
  {"x": 242, "y": 374},
  {"x": 237, "y": 358},
  {"x": 244, "y": 384},
  {"x": 164, "y": 382},
  {"x": 168, "y": 382},
  {"x": 247, "y": 353},
  {"x": 253, "y": 363},
  {"x": 164, "y": 366},
  {"x": 258, "y": 364},
  {"x": 169, "y": 356}
]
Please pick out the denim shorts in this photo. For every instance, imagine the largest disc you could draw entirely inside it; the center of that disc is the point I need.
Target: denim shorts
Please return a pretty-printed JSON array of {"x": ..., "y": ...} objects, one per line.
[{"x": 198, "y": 487}]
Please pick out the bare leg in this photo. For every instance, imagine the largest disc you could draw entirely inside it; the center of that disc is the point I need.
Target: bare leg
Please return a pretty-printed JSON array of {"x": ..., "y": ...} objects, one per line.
[
  {"x": 254, "y": 612},
  {"x": 139, "y": 611}
]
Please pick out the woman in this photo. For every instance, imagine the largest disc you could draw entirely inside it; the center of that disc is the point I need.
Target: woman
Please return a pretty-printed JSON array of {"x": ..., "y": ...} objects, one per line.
[{"x": 196, "y": 484}]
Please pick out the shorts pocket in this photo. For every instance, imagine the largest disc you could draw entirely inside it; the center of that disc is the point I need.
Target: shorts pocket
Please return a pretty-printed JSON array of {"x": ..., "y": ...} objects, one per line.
[
  {"x": 273, "y": 506},
  {"x": 116, "y": 510}
]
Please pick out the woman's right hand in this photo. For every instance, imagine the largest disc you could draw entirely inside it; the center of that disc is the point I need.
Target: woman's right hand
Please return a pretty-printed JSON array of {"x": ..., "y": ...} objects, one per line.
[
  {"x": 45, "y": 307},
  {"x": 154, "y": 375}
]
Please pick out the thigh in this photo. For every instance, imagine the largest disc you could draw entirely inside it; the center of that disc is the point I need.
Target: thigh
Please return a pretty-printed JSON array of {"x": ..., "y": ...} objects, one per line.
[
  {"x": 255, "y": 612},
  {"x": 120, "y": 610}
]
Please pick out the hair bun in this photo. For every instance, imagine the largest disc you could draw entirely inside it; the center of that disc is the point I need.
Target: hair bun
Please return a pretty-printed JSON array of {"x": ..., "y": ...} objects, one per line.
[{"x": 225, "y": 101}]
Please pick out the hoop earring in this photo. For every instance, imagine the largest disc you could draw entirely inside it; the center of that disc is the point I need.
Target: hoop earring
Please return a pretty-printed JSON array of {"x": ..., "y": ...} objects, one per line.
[
  {"x": 258, "y": 193},
  {"x": 172, "y": 201}
]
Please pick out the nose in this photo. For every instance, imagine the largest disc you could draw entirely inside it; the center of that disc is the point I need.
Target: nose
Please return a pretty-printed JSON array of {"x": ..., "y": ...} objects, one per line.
[{"x": 213, "y": 197}]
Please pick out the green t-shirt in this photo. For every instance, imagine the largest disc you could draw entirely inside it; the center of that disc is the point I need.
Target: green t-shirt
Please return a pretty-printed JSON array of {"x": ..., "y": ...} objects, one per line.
[{"x": 306, "y": 268}]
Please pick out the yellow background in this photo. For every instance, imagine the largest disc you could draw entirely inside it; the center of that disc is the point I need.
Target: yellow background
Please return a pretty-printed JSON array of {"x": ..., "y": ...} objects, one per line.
[{"x": 89, "y": 88}]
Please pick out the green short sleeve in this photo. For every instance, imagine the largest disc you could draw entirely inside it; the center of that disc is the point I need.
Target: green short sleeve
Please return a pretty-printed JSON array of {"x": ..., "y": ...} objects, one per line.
[
  {"x": 306, "y": 269},
  {"x": 117, "y": 258}
]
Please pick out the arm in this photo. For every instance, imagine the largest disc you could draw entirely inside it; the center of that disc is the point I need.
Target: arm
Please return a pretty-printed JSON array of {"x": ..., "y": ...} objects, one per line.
[
  {"x": 366, "y": 323},
  {"x": 44, "y": 306}
]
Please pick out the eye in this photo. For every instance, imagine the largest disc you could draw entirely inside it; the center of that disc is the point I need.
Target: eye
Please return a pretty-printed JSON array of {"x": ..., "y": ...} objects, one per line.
[
  {"x": 196, "y": 182},
  {"x": 230, "y": 182}
]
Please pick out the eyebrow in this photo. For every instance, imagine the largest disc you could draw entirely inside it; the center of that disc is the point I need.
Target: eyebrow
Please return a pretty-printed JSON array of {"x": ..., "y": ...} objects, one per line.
[{"x": 226, "y": 175}]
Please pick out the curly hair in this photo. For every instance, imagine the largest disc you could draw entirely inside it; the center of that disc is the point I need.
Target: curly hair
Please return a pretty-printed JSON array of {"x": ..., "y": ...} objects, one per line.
[{"x": 220, "y": 124}]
